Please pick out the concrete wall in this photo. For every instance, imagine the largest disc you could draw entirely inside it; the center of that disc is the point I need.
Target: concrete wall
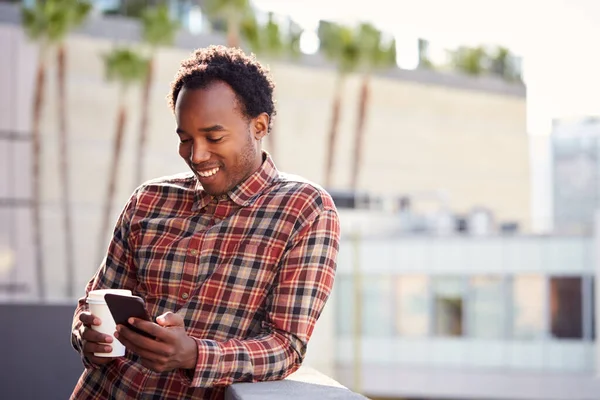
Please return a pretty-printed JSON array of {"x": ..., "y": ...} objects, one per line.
[{"x": 38, "y": 361}]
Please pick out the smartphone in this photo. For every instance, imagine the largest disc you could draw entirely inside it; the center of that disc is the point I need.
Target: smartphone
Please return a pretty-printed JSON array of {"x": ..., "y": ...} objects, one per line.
[{"x": 124, "y": 307}]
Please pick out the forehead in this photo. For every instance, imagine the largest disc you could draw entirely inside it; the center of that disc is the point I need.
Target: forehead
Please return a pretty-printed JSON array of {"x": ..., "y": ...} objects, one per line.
[{"x": 217, "y": 98}]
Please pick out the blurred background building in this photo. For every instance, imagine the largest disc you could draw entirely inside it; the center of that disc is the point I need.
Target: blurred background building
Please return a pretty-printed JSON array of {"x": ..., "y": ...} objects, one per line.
[
  {"x": 468, "y": 263},
  {"x": 576, "y": 174}
]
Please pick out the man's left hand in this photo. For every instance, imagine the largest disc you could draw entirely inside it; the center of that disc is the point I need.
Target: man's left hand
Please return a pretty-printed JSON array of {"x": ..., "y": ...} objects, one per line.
[{"x": 172, "y": 349}]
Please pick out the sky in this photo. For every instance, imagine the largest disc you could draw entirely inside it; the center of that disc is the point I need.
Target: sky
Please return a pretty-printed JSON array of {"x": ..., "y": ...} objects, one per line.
[{"x": 558, "y": 40}]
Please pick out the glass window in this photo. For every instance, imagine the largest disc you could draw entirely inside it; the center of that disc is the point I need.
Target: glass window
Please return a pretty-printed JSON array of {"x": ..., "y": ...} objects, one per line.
[
  {"x": 528, "y": 301},
  {"x": 377, "y": 315},
  {"x": 487, "y": 311},
  {"x": 448, "y": 294},
  {"x": 345, "y": 308},
  {"x": 412, "y": 305},
  {"x": 566, "y": 312}
]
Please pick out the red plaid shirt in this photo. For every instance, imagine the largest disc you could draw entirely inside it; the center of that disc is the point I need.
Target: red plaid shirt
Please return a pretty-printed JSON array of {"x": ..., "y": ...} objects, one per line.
[{"x": 249, "y": 272}]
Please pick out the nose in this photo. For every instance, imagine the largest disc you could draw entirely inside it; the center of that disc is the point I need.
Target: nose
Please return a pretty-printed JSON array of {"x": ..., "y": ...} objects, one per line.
[{"x": 199, "y": 153}]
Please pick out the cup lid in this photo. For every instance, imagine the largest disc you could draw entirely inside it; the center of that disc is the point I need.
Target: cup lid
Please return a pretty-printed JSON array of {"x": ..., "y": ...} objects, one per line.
[{"x": 97, "y": 296}]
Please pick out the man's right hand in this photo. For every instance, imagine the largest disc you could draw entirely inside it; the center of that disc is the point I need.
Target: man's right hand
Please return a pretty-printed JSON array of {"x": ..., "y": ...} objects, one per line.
[{"x": 92, "y": 341}]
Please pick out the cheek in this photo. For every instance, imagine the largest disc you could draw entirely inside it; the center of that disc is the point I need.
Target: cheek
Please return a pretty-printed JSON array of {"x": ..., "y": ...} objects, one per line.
[{"x": 184, "y": 151}]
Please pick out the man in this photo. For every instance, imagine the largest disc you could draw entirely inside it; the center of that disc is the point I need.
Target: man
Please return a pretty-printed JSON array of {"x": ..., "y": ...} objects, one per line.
[{"x": 235, "y": 260}]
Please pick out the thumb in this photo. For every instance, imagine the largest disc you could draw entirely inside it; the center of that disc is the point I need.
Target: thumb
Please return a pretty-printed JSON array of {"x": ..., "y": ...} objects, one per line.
[{"x": 169, "y": 319}]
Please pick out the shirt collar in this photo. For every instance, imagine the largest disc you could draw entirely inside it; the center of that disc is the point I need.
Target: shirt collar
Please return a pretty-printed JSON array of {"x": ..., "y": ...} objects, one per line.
[{"x": 246, "y": 192}]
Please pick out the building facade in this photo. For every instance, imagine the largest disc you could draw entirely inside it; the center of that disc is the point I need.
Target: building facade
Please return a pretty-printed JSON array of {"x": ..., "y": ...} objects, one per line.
[
  {"x": 468, "y": 317},
  {"x": 575, "y": 174}
]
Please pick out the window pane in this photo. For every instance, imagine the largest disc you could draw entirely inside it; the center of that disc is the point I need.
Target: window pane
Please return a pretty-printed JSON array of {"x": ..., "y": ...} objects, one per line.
[
  {"x": 487, "y": 317},
  {"x": 528, "y": 307},
  {"x": 448, "y": 294},
  {"x": 412, "y": 306},
  {"x": 344, "y": 291},
  {"x": 566, "y": 308},
  {"x": 377, "y": 317}
]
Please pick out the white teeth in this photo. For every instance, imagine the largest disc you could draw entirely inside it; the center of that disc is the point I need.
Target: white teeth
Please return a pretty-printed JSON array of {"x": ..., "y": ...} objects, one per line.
[{"x": 206, "y": 174}]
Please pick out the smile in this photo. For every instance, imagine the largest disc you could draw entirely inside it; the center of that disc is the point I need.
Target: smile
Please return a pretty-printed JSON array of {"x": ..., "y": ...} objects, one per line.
[{"x": 209, "y": 173}]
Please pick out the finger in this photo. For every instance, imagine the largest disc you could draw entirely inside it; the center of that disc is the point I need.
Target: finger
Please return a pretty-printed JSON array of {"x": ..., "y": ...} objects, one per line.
[
  {"x": 99, "y": 360},
  {"x": 150, "y": 327},
  {"x": 142, "y": 346},
  {"x": 170, "y": 319},
  {"x": 88, "y": 319},
  {"x": 91, "y": 348},
  {"x": 135, "y": 341},
  {"x": 91, "y": 335}
]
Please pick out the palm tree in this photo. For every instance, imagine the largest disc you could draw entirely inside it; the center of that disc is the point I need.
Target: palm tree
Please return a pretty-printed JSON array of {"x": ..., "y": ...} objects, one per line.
[
  {"x": 75, "y": 13},
  {"x": 158, "y": 29},
  {"x": 469, "y": 60},
  {"x": 424, "y": 61},
  {"x": 232, "y": 13},
  {"x": 127, "y": 68},
  {"x": 340, "y": 46},
  {"x": 47, "y": 23},
  {"x": 504, "y": 64},
  {"x": 375, "y": 53},
  {"x": 269, "y": 42}
]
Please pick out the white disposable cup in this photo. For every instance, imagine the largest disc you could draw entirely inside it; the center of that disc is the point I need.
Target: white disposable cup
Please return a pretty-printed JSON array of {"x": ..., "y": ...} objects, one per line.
[{"x": 98, "y": 308}]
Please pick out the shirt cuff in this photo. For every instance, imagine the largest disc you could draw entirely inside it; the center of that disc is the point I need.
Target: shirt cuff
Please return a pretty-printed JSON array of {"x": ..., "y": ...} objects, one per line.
[{"x": 208, "y": 365}]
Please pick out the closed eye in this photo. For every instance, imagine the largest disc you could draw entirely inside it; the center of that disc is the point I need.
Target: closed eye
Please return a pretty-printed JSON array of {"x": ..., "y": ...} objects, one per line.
[
  {"x": 215, "y": 140},
  {"x": 184, "y": 140}
]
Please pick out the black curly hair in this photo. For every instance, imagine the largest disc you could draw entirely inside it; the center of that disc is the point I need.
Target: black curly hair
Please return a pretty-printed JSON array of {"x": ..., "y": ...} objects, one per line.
[{"x": 250, "y": 80}]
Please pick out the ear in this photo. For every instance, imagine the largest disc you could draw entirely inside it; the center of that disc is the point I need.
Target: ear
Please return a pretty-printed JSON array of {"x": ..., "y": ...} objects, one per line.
[{"x": 261, "y": 126}]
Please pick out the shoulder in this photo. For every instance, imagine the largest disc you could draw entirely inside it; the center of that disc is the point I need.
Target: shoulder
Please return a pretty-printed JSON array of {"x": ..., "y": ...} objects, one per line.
[
  {"x": 177, "y": 183},
  {"x": 303, "y": 193},
  {"x": 167, "y": 192}
]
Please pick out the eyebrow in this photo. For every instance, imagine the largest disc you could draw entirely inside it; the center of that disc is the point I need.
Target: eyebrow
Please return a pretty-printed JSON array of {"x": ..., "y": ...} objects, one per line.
[{"x": 208, "y": 129}]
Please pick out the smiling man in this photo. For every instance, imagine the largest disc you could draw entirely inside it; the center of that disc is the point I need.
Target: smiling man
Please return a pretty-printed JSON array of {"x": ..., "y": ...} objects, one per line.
[{"x": 235, "y": 260}]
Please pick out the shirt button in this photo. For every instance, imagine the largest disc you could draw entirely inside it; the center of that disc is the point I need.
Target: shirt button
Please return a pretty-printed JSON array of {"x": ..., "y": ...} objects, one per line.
[
  {"x": 194, "y": 252},
  {"x": 185, "y": 296}
]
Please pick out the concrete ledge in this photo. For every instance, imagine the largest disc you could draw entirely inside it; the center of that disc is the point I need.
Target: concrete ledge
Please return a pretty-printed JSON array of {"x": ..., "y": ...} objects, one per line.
[{"x": 306, "y": 383}]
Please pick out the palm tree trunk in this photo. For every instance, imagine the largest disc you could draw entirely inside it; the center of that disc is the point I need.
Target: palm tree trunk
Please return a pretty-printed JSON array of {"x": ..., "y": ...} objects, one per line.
[
  {"x": 360, "y": 131},
  {"x": 112, "y": 176},
  {"x": 38, "y": 102},
  {"x": 143, "y": 134},
  {"x": 63, "y": 134},
  {"x": 333, "y": 132},
  {"x": 233, "y": 31}
]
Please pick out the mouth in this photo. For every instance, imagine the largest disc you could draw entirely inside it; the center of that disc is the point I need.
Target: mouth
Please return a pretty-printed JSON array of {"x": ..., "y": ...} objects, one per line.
[
  {"x": 206, "y": 176},
  {"x": 208, "y": 172}
]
